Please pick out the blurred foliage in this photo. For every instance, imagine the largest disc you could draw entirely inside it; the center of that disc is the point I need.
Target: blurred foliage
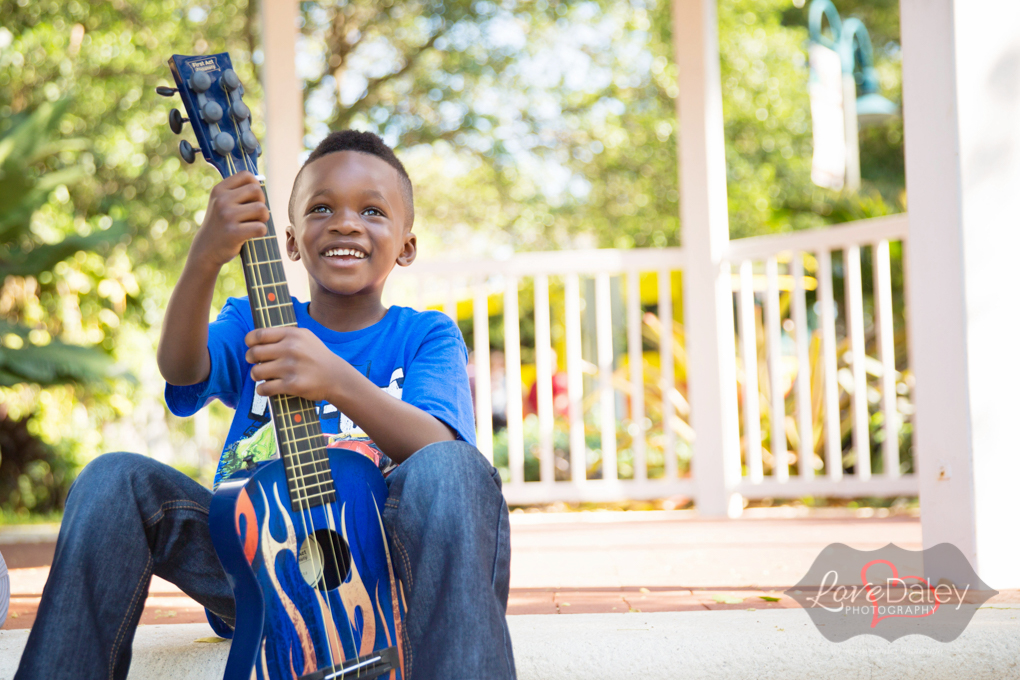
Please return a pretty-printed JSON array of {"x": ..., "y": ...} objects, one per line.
[
  {"x": 99, "y": 64},
  {"x": 33, "y": 476},
  {"x": 558, "y": 119},
  {"x": 526, "y": 125},
  {"x": 30, "y": 352},
  {"x": 767, "y": 114}
]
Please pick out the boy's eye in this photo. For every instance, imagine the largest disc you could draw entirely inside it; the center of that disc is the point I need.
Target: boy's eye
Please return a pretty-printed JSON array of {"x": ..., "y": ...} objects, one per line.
[
  {"x": 373, "y": 212},
  {"x": 319, "y": 209}
]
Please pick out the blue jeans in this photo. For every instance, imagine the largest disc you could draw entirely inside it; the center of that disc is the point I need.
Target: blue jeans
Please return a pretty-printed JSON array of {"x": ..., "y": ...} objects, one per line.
[{"x": 128, "y": 517}]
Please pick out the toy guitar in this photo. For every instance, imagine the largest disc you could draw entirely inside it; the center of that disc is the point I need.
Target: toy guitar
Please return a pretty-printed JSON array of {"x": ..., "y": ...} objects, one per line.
[{"x": 301, "y": 538}]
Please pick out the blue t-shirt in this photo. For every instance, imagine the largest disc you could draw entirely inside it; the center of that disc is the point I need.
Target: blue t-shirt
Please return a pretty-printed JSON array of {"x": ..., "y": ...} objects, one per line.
[{"x": 418, "y": 357}]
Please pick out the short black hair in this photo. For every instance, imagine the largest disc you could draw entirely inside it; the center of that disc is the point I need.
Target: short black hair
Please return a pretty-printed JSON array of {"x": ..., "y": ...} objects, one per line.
[{"x": 362, "y": 142}]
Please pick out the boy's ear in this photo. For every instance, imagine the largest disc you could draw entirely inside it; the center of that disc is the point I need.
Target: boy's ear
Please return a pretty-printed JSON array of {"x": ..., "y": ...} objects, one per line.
[
  {"x": 292, "y": 249},
  {"x": 410, "y": 250}
]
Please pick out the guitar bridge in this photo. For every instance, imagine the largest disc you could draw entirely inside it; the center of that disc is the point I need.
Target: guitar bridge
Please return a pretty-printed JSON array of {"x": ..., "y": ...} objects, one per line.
[{"x": 369, "y": 666}]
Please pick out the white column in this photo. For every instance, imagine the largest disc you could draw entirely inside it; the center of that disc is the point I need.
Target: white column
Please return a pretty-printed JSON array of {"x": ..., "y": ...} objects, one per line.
[
  {"x": 708, "y": 306},
  {"x": 544, "y": 370},
  {"x": 607, "y": 395},
  {"x": 853, "y": 144},
  {"x": 575, "y": 379},
  {"x": 284, "y": 122},
  {"x": 483, "y": 376},
  {"x": 512, "y": 381},
  {"x": 961, "y": 93}
]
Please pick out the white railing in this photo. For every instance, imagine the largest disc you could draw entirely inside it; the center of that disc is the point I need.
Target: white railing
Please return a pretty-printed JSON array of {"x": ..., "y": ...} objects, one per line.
[
  {"x": 807, "y": 258},
  {"x": 623, "y": 433}
]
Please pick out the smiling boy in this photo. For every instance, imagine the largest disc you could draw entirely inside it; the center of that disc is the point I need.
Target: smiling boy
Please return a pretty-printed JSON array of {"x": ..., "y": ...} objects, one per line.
[{"x": 389, "y": 382}]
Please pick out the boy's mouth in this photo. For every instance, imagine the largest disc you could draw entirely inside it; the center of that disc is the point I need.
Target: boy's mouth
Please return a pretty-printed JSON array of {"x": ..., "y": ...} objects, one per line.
[{"x": 344, "y": 254}]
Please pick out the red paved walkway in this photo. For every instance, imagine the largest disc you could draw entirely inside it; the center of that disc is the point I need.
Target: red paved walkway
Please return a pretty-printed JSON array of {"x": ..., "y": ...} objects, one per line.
[{"x": 601, "y": 562}]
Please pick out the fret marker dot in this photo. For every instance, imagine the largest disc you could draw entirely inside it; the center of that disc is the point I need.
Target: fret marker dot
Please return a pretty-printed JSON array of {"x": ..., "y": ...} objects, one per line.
[
  {"x": 271, "y": 296},
  {"x": 297, "y": 418}
]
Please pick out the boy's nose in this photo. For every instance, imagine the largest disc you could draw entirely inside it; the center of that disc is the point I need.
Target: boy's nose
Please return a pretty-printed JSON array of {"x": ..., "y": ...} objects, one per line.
[{"x": 349, "y": 221}]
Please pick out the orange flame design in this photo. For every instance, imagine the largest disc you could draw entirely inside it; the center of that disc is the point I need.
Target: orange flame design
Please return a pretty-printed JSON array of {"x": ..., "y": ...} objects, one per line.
[{"x": 245, "y": 509}]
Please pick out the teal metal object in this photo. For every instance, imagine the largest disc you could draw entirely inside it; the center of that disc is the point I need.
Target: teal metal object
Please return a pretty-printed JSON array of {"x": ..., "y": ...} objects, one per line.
[
  {"x": 873, "y": 109},
  {"x": 858, "y": 58},
  {"x": 819, "y": 10},
  {"x": 851, "y": 41}
]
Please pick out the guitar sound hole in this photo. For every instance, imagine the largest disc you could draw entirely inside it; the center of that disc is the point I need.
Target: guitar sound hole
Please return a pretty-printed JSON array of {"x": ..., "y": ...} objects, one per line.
[{"x": 324, "y": 559}]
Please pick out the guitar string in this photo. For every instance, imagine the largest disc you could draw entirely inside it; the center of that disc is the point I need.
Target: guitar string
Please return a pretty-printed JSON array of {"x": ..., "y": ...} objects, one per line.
[
  {"x": 265, "y": 322},
  {"x": 332, "y": 637},
  {"x": 317, "y": 473},
  {"x": 257, "y": 273},
  {"x": 299, "y": 484},
  {"x": 304, "y": 503}
]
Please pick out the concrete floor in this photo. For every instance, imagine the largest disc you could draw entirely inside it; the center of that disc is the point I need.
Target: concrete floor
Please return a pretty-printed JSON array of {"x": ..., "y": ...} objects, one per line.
[{"x": 596, "y": 564}]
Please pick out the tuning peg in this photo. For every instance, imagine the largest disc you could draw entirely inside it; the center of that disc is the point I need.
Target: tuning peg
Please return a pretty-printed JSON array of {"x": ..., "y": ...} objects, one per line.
[
  {"x": 212, "y": 112},
  {"x": 187, "y": 151},
  {"x": 223, "y": 143},
  {"x": 248, "y": 141},
  {"x": 177, "y": 121},
  {"x": 239, "y": 111},
  {"x": 165, "y": 91},
  {"x": 230, "y": 79},
  {"x": 200, "y": 81}
]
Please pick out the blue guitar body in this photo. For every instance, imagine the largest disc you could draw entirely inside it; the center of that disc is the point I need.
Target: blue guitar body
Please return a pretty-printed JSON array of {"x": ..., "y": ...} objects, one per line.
[{"x": 286, "y": 627}]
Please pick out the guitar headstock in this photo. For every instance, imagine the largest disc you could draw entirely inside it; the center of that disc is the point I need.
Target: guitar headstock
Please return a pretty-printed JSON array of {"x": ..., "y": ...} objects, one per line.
[{"x": 212, "y": 92}]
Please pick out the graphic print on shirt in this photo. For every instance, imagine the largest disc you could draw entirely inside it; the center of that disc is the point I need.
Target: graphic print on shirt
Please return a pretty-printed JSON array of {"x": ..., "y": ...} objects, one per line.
[{"x": 259, "y": 440}]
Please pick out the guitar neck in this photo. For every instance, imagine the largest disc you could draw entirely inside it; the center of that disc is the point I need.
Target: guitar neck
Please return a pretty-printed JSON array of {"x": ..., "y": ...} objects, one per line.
[{"x": 295, "y": 419}]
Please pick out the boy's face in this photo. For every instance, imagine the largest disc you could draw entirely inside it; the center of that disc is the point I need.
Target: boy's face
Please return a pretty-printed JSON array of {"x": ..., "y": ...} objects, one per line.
[{"x": 349, "y": 229}]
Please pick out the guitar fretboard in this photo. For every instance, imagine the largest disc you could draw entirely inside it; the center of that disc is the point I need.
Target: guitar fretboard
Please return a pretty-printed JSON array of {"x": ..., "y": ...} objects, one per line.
[{"x": 295, "y": 420}]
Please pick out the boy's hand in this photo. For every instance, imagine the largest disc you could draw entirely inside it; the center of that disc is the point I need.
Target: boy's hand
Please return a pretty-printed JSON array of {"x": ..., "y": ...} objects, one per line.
[
  {"x": 293, "y": 361},
  {"x": 237, "y": 212}
]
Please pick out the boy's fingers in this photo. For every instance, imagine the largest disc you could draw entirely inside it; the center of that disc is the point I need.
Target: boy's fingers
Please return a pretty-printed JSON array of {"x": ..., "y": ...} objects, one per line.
[
  {"x": 246, "y": 212},
  {"x": 239, "y": 179},
  {"x": 247, "y": 193},
  {"x": 250, "y": 212},
  {"x": 276, "y": 370},
  {"x": 256, "y": 355},
  {"x": 263, "y": 353},
  {"x": 233, "y": 182},
  {"x": 252, "y": 229},
  {"x": 263, "y": 372},
  {"x": 269, "y": 387},
  {"x": 274, "y": 379},
  {"x": 262, "y": 336}
]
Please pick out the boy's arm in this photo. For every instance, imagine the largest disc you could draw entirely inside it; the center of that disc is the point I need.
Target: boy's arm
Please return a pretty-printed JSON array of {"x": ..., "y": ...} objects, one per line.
[
  {"x": 293, "y": 361},
  {"x": 237, "y": 212}
]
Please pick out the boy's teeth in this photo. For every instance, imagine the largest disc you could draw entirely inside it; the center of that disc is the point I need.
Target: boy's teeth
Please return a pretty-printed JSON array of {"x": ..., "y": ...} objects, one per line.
[{"x": 341, "y": 252}]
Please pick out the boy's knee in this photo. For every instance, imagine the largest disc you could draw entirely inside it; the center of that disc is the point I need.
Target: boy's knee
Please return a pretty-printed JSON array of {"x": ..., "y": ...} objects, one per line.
[
  {"x": 449, "y": 479},
  {"x": 451, "y": 463},
  {"x": 110, "y": 474}
]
